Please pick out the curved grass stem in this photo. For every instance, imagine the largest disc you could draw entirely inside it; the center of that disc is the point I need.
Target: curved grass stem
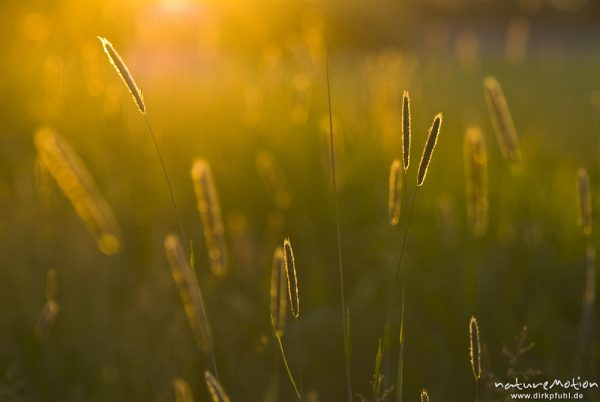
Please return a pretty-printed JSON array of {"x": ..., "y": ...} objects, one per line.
[
  {"x": 169, "y": 184},
  {"x": 343, "y": 310},
  {"x": 183, "y": 236},
  {"x": 285, "y": 363}
]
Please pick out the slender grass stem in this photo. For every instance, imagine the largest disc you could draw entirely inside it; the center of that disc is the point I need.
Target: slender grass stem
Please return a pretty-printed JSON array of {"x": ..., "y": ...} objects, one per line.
[
  {"x": 298, "y": 356},
  {"x": 338, "y": 235},
  {"x": 285, "y": 363},
  {"x": 400, "y": 258},
  {"x": 185, "y": 241},
  {"x": 400, "y": 374},
  {"x": 586, "y": 322},
  {"x": 387, "y": 326},
  {"x": 209, "y": 341},
  {"x": 169, "y": 185}
]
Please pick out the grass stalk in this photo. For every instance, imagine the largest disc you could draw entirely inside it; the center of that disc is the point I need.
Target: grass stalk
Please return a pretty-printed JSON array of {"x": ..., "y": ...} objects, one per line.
[
  {"x": 343, "y": 311},
  {"x": 169, "y": 186},
  {"x": 400, "y": 373},
  {"x": 285, "y": 362},
  {"x": 298, "y": 354}
]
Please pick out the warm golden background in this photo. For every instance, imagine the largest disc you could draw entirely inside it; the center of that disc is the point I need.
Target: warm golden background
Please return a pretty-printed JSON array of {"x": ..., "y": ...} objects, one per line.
[{"x": 228, "y": 79}]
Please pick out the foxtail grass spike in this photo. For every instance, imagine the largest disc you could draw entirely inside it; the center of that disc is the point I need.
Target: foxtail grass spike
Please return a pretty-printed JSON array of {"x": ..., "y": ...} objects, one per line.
[
  {"x": 76, "y": 183},
  {"x": 182, "y": 391},
  {"x": 395, "y": 192},
  {"x": 278, "y": 291},
  {"x": 119, "y": 65},
  {"x": 406, "y": 130},
  {"x": 292, "y": 279},
  {"x": 585, "y": 202},
  {"x": 474, "y": 348},
  {"x": 210, "y": 213},
  {"x": 503, "y": 122},
  {"x": 475, "y": 156},
  {"x": 424, "y": 395},
  {"x": 216, "y": 391},
  {"x": 189, "y": 291},
  {"x": 429, "y": 147},
  {"x": 117, "y": 62}
]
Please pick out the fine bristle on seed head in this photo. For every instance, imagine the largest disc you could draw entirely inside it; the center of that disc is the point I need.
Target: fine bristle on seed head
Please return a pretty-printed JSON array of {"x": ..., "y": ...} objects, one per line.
[
  {"x": 117, "y": 62},
  {"x": 406, "y": 130},
  {"x": 429, "y": 147}
]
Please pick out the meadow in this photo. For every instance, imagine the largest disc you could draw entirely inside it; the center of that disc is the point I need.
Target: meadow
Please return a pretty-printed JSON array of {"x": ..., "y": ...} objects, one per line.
[{"x": 244, "y": 87}]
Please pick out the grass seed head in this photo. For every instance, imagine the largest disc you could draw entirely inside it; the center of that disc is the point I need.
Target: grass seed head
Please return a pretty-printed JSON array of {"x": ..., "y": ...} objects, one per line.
[
  {"x": 117, "y": 62},
  {"x": 406, "y": 129},
  {"x": 474, "y": 348},
  {"x": 209, "y": 209},
  {"x": 429, "y": 147},
  {"x": 216, "y": 391},
  {"x": 502, "y": 121},
  {"x": 292, "y": 279}
]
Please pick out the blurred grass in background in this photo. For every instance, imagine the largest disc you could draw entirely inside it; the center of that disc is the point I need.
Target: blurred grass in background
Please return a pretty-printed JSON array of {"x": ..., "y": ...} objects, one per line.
[{"x": 227, "y": 80}]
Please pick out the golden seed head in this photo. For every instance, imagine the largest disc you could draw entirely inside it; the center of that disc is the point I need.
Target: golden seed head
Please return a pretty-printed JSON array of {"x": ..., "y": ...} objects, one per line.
[
  {"x": 406, "y": 130},
  {"x": 474, "y": 348},
  {"x": 216, "y": 391},
  {"x": 209, "y": 209},
  {"x": 189, "y": 290},
  {"x": 503, "y": 122},
  {"x": 292, "y": 279},
  {"x": 77, "y": 184},
  {"x": 429, "y": 147},
  {"x": 117, "y": 62}
]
